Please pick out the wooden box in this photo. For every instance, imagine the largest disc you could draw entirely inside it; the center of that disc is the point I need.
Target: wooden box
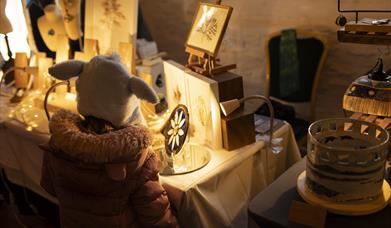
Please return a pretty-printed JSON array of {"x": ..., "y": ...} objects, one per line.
[
  {"x": 230, "y": 86},
  {"x": 238, "y": 129}
]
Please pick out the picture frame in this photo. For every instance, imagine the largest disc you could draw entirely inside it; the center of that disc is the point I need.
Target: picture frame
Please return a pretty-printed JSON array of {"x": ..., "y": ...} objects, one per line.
[
  {"x": 208, "y": 28},
  {"x": 111, "y": 22}
]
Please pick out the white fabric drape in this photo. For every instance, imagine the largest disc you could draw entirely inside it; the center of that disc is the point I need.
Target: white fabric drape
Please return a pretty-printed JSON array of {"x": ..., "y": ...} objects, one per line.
[{"x": 214, "y": 196}]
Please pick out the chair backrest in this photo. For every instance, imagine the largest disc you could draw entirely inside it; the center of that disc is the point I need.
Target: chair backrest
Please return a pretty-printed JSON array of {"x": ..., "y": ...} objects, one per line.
[{"x": 312, "y": 51}]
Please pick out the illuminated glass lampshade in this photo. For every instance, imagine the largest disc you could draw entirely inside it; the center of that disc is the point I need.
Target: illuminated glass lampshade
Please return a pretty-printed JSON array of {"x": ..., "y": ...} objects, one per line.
[
  {"x": 5, "y": 28},
  {"x": 370, "y": 94}
]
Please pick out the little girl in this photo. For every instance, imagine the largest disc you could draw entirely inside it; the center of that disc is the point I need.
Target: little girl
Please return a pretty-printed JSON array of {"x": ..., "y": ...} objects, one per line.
[{"x": 100, "y": 165}]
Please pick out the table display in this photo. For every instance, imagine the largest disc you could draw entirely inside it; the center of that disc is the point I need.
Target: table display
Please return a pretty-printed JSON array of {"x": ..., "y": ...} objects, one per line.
[
  {"x": 271, "y": 207},
  {"x": 207, "y": 174},
  {"x": 369, "y": 95},
  {"x": 199, "y": 196}
]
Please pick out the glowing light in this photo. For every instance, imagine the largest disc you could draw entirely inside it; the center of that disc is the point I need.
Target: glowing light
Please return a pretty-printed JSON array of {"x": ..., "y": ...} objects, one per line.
[
  {"x": 70, "y": 96},
  {"x": 18, "y": 37},
  {"x": 29, "y": 128}
]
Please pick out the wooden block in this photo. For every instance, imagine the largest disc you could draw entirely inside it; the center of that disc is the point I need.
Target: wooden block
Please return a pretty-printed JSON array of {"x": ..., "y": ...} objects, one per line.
[
  {"x": 238, "y": 129},
  {"x": 230, "y": 86},
  {"x": 366, "y": 38},
  {"x": 21, "y": 77},
  {"x": 363, "y": 27},
  {"x": 306, "y": 214}
]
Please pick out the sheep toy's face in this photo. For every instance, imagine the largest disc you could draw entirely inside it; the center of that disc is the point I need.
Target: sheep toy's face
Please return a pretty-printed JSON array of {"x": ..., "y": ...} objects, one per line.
[{"x": 105, "y": 90}]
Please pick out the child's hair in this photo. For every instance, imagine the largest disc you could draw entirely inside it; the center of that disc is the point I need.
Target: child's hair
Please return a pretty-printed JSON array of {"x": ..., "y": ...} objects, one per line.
[{"x": 97, "y": 126}]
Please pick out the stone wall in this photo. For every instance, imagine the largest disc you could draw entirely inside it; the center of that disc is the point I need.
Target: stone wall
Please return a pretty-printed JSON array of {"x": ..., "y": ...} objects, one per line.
[{"x": 253, "y": 20}]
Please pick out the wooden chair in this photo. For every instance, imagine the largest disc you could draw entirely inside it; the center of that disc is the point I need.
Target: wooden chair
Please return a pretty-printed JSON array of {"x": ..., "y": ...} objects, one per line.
[{"x": 312, "y": 51}]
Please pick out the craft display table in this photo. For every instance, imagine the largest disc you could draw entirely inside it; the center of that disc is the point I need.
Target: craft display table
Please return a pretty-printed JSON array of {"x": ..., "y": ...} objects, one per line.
[
  {"x": 271, "y": 207},
  {"x": 214, "y": 196}
]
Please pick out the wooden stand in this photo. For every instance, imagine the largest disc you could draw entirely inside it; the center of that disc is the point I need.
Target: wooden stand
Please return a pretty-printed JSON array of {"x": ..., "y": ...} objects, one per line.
[
  {"x": 365, "y": 33},
  {"x": 350, "y": 208},
  {"x": 205, "y": 64}
]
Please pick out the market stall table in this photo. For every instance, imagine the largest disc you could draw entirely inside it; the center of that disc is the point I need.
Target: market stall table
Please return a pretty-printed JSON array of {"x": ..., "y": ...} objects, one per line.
[
  {"x": 271, "y": 207},
  {"x": 214, "y": 196}
]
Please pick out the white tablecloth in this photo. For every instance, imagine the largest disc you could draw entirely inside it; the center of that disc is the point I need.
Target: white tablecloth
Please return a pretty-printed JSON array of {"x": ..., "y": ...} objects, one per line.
[{"x": 214, "y": 196}]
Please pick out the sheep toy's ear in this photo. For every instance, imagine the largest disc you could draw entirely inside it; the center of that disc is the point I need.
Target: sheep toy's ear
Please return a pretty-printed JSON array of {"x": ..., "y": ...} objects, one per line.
[
  {"x": 67, "y": 69},
  {"x": 142, "y": 90}
]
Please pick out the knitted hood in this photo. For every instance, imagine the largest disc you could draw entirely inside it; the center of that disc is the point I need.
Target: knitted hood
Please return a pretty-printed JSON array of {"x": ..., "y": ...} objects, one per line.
[
  {"x": 70, "y": 139},
  {"x": 105, "y": 89}
]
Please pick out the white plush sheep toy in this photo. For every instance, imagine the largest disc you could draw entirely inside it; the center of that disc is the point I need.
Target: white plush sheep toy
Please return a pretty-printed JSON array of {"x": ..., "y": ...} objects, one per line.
[{"x": 105, "y": 89}]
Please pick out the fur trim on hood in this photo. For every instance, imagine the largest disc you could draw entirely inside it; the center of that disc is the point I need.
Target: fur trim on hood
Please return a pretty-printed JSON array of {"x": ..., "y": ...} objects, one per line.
[{"x": 69, "y": 138}]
